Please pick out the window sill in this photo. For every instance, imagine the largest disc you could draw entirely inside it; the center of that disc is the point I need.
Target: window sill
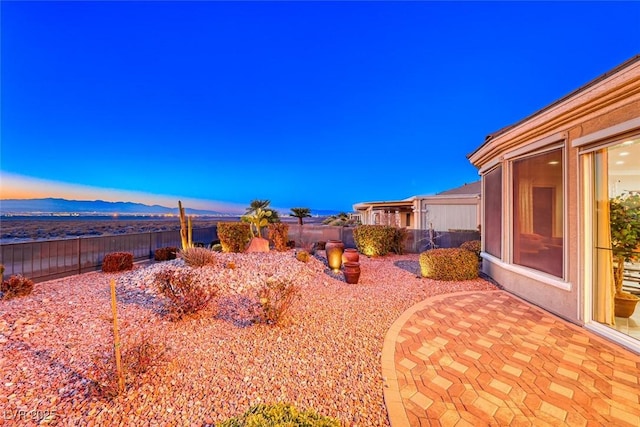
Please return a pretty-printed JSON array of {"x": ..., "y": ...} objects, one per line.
[{"x": 538, "y": 276}]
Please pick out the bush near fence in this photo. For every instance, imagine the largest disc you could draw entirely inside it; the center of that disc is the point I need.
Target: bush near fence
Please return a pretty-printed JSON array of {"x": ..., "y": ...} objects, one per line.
[{"x": 52, "y": 259}]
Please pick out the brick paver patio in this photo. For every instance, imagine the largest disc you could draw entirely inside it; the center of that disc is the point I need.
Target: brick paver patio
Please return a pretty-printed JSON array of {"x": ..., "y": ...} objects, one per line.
[{"x": 489, "y": 358}]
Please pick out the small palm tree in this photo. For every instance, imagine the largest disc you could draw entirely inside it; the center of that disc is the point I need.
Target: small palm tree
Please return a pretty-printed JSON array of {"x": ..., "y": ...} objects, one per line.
[
  {"x": 263, "y": 205},
  {"x": 300, "y": 213},
  {"x": 257, "y": 204}
]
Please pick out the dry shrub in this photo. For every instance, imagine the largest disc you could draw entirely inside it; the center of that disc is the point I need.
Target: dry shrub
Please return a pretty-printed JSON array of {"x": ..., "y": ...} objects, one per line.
[
  {"x": 15, "y": 286},
  {"x": 276, "y": 297},
  {"x": 186, "y": 296},
  {"x": 449, "y": 264},
  {"x": 138, "y": 357},
  {"x": 198, "y": 257},
  {"x": 303, "y": 256},
  {"x": 278, "y": 234},
  {"x": 117, "y": 261},
  {"x": 474, "y": 246},
  {"x": 165, "y": 254}
]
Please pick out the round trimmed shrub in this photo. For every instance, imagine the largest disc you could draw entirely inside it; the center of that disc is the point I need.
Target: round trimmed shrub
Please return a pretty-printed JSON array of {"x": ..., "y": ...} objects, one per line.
[
  {"x": 449, "y": 264},
  {"x": 279, "y": 415}
]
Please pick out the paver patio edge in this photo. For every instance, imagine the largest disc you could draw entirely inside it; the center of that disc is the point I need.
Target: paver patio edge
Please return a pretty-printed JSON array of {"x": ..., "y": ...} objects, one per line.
[{"x": 392, "y": 399}]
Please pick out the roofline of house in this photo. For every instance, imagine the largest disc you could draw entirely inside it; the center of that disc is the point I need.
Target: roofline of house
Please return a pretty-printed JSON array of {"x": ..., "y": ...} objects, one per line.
[
  {"x": 570, "y": 95},
  {"x": 410, "y": 200}
]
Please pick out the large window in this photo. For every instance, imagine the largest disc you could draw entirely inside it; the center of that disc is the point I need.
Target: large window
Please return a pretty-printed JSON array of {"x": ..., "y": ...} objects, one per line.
[
  {"x": 616, "y": 182},
  {"x": 493, "y": 212},
  {"x": 538, "y": 212}
]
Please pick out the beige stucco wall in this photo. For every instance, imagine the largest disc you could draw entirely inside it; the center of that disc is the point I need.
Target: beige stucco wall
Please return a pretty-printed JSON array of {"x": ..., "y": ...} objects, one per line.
[{"x": 611, "y": 101}]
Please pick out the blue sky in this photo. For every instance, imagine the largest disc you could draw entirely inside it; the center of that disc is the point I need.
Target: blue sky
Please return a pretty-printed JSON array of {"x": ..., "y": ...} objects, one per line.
[{"x": 314, "y": 104}]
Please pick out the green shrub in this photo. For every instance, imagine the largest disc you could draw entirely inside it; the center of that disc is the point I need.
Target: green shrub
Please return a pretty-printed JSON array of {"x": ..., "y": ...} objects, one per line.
[
  {"x": 279, "y": 415},
  {"x": 165, "y": 254},
  {"x": 449, "y": 264},
  {"x": 302, "y": 256},
  {"x": 278, "y": 234},
  {"x": 198, "y": 257},
  {"x": 117, "y": 261},
  {"x": 276, "y": 297},
  {"x": 15, "y": 286},
  {"x": 474, "y": 246},
  {"x": 234, "y": 236},
  {"x": 185, "y": 294},
  {"x": 375, "y": 240},
  {"x": 216, "y": 247}
]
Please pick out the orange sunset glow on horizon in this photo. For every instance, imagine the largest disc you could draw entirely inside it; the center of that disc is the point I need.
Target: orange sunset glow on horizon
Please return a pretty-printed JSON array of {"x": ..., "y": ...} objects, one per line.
[{"x": 14, "y": 186}]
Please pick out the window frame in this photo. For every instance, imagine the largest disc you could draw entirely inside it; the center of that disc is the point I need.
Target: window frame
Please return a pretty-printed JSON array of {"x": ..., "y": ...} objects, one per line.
[{"x": 518, "y": 155}]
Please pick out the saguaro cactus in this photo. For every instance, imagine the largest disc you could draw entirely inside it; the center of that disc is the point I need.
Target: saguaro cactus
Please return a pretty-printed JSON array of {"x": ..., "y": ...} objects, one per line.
[{"x": 186, "y": 231}]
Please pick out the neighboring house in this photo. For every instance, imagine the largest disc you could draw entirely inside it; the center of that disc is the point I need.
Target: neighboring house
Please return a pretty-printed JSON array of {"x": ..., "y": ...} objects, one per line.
[
  {"x": 456, "y": 209},
  {"x": 547, "y": 181}
]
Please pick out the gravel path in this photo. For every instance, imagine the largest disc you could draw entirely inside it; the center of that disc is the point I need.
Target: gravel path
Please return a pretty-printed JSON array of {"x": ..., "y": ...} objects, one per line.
[{"x": 326, "y": 357}]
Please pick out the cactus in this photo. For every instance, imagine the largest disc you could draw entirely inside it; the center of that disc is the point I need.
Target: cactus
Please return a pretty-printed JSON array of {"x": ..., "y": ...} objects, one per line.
[
  {"x": 186, "y": 229},
  {"x": 259, "y": 219}
]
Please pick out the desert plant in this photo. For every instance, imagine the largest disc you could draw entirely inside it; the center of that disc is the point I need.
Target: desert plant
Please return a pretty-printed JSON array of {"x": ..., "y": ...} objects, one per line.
[
  {"x": 449, "y": 264},
  {"x": 624, "y": 217},
  {"x": 186, "y": 296},
  {"x": 186, "y": 228},
  {"x": 198, "y": 257},
  {"x": 278, "y": 234},
  {"x": 165, "y": 254},
  {"x": 233, "y": 236},
  {"x": 374, "y": 240},
  {"x": 474, "y": 246},
  {"x": 216, "y": 247},
  {"x": 300, "y": 213},
  {"x": 279, "y": 415},
  {"x": 276, "y": 297},
  {"x": 257, "y": 220},
  {"x": 15, "y": 286},
  {"x": 139, "y": 354},
  {"x": 117, "y": 261},
  {"x": 303, "y": 256}
]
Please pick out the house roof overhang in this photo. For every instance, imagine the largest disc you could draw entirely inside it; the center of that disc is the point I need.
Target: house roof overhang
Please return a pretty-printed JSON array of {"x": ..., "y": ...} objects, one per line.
[
  {"x": 605, "y": 93},
  {"x": 384, "y": 204}
]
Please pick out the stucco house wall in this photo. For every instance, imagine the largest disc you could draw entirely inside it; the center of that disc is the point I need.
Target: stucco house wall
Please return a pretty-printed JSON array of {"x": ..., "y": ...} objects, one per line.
[
  {"x": 458, "y": 209},
  {"x": 610, "y": 101}
]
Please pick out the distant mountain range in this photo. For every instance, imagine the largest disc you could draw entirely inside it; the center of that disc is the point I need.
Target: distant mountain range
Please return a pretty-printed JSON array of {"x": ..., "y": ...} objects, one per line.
[
  {"x": 53, "y": 206},
  {"x": 89, "y": 207}
]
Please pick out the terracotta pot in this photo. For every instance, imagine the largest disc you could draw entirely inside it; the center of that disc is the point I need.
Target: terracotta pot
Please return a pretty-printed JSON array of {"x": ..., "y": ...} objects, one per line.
[
  {"x": 351, "y": 272},
  {"x": 350, "y": 255},
  {"x": 334, "y": 249},
  {"x": 625, "y": 307}
]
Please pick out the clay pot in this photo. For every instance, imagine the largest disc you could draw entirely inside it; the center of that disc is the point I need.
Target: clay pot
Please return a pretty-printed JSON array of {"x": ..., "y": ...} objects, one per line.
[
  {"x": 334, "y": 250},
  {"x": 351, "y": 272},
  {"x": 624, "y": 307},
  {"x": 350, "y": 255}
]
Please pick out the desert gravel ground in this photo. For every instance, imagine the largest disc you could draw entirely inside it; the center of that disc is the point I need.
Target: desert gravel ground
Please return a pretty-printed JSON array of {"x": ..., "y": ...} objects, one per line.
[{"x": 218, "y": 363}]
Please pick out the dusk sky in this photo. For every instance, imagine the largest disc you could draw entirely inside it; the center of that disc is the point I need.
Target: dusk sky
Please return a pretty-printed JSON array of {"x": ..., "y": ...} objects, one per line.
[{"x": 307, "y": 104}]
